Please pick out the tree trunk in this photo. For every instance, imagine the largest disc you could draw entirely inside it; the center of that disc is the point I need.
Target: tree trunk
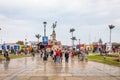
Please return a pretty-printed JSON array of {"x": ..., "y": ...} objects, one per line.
[
  {"x": 110, "y": 35},
  {"x": 72, "y": 39},
  {"x": 73, "y": 42},
  {"x": 72, "y": 34},
  {"x": 38, "y": 40}
]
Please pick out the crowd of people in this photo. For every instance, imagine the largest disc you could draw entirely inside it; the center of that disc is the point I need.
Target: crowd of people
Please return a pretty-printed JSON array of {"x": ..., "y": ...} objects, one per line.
[{"x": 58, "y": 54}]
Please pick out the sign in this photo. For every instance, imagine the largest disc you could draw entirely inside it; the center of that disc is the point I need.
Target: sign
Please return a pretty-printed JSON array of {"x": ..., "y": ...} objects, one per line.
[
  {"x": 108, "y": 46},
  {"x": 16, "y": 47},
  {"x": 45, "y": 40},
  {"x": 3, "y": 47},
  {"x": 8, "y": 47}
]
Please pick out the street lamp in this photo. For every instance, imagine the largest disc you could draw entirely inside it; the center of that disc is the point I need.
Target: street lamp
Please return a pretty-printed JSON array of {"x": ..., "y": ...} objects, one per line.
[
  {"x": 79, "y": 44},
  {"x": 0, "y": 29},
  {"x": 44, "y": 28},
  {"x": 1, "y": 37},
  {"x": 111, "y": 27}
]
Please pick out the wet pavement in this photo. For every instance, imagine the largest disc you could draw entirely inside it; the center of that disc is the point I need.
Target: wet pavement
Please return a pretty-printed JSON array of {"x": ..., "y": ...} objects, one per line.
[{"x": 30, "y": 68}]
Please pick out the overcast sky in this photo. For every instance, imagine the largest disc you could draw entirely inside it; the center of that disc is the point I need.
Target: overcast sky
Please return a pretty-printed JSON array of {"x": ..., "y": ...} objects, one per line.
[{"x": 20, "y": 19}]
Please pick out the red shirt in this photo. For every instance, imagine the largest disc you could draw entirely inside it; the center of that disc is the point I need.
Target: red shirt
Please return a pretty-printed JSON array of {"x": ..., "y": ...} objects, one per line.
[
  {"x": 57, "y": 52},
  {"x": 72, "y": 53}
]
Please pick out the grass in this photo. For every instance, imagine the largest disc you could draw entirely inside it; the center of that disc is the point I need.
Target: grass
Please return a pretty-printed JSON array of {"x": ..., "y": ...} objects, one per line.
[
  {"x": 108, "y": 60},
  {"x": 12, "y": 56}
]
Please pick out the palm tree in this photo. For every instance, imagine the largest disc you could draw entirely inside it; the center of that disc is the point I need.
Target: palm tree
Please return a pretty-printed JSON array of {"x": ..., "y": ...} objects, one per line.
[
  {"x": 73, "y": 39},
  {"x": 111, "y": 27},
  {"x": 71, "y": 31},
  {"x": 38, "y": 37}
]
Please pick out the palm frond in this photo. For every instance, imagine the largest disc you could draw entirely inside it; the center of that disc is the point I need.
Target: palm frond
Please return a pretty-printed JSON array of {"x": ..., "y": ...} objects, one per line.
[
  {"x": 111, "y": 26},
  {"x": 73, "y": 38},
  {"x": 72, "y": 30}
]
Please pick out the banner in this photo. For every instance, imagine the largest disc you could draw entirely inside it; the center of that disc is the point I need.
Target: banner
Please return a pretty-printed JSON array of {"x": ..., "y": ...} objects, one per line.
[{"x": 45, "y": 40}]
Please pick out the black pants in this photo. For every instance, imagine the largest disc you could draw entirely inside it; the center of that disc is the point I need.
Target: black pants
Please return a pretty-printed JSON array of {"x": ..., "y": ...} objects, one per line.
[
  {"x": 54, "y": 58},
  {"x": 66, "y": 59}
]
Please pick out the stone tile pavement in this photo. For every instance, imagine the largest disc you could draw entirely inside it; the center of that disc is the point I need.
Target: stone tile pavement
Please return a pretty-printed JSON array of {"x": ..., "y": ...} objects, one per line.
[{"x": 30, "y": 68}]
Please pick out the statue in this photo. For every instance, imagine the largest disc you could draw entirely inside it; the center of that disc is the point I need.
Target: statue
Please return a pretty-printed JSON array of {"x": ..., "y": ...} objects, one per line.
[
  {"x": 54, "y": 34},
  {"x": 56, "y": 44},
  {"x": 54, "y": 25}
]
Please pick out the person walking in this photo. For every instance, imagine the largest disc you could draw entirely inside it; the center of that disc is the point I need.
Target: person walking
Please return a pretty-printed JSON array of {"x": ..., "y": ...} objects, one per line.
[
  {"x": 66, "y": 56},
  {"x": 45, "y": 55},
  {"x": 79, "y": 53},
  {"x": 51, "y": 53},
  {"x": 33, "y": 53},
  {"x": 25, "y": 51},
  {"x": 72, "y": 54},
  {"x": 6, "y": 55},
  {"x": 84, "y": 55},
  {"x": 58, "y": 56},
  {"x": 61, "y": 56},
  {"x": 54, "y": 55}
]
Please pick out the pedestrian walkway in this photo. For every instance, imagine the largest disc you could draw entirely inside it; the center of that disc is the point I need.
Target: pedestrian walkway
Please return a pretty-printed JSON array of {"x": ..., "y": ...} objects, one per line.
[{"x": 30, "y": 68}]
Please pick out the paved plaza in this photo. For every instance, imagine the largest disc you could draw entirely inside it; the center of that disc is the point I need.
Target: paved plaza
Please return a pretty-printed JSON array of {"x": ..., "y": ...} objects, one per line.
[{"x": 30, "y": 68}]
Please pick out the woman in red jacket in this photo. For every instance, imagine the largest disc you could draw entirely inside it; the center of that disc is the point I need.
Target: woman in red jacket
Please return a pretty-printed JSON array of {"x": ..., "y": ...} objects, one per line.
[{"x": 58, "y": 55}]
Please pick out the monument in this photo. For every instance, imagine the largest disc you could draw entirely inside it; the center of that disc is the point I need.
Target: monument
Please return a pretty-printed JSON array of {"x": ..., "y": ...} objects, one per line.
[
  {"x": 56, "y": 44},
  {"x": 53, "y": 33}
]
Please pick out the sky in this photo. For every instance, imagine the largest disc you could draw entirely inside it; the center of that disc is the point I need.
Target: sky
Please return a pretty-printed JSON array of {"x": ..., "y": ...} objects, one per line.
[{"x": 20, "y": 19}]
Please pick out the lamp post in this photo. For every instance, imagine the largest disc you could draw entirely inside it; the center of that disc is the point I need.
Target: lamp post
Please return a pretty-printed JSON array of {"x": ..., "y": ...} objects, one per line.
[
  {"x": 44, "y": 28},
  {"x": 1, "y": 37},
  {"x": 111, "y": 27},
  {"x": 79, "y": 44}
]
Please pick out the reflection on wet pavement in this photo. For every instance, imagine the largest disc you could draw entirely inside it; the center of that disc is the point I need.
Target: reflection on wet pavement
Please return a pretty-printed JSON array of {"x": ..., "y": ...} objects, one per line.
[
  {"x": 34, "y": 68},
  {"x": 6, "y": 65}
]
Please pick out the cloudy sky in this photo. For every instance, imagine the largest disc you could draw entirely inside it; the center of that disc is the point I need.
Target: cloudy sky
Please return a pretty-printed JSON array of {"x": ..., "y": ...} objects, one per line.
[{"x": 20, "y": 19}]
